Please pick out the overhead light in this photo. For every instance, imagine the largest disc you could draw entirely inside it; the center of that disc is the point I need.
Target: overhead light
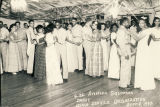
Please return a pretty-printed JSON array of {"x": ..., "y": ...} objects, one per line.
[{"x": 18, "y": 5}]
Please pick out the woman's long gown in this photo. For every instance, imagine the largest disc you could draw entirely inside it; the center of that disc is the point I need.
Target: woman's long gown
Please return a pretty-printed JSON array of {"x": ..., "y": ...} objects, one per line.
[
  {"x": 105, "y": 51},
  {"x": 155, "y": 53},
  {"x": 53, "y": 72},
  {"x": 40, "y": 58},
  {"x": 71, "y": 54},
  {"x": 14, "y": 62},
  {"x": 144, "y": 75},
  {"x": 87, "y": 44},
  {"x": 96, "y": 61},
  {"x": 114, "y": 60}
]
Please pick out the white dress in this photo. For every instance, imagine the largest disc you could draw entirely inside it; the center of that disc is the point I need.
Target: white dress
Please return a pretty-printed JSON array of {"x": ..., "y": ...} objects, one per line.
[
  {"x": 105, "y": 51},
  {"x": 144, "y": 75},
  {"x": 155, "y": 53},
  {"x": 114, "y": 60},
  {"x": 71, "y": 54},
  {"x": 53, "y": 72}
]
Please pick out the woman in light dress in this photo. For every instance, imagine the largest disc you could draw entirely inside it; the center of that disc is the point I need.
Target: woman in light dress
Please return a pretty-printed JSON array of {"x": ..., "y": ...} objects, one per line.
[
  {"x": 96, "y": 61},
  {"x": 155, "y": 45},
  {"x": 14, "y": 62},
  {"x": 114, "y": 60},
  {"x": 71, "y": 55},
  {"x": 144, "y": 75},
  {"x": 104, "y": 46},
  {"x": 53, "y": 72}
]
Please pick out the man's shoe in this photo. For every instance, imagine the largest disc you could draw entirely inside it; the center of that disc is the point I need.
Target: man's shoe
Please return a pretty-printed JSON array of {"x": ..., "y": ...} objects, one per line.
[{"x": 65, "y": 80}]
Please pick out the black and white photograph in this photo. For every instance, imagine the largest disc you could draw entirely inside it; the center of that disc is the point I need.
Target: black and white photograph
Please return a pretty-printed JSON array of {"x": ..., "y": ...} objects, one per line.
[{"x": 80, "y": 53}]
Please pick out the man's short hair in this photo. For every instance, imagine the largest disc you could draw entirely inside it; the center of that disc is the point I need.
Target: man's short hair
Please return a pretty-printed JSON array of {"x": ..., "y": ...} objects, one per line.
[
  {"x": 30, "y": 21},
  {"x": 18, "y": 22},
  {"x": 74, "y": 18},
  {"x": 59, "y": 21},
  {"x": 1, "y": 22}
]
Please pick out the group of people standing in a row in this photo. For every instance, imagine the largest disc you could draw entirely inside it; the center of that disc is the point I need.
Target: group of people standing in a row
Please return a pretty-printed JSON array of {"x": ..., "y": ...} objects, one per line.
[{"x": 52, "y": 51}]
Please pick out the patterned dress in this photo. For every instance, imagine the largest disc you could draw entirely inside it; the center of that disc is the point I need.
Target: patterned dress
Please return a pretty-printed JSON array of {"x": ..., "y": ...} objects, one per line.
[
  {"x": 40, "y": 58},
  {"x": 4, "y": 47},
  {"x": 96, "y": 61},
  {"x": 87, "y": 45}
]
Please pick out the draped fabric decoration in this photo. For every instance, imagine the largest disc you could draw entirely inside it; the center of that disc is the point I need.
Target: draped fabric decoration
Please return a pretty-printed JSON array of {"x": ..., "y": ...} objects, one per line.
[
  {"x": 18, "y": 5},
  {"x": 55, "y": 9},
  {"x": 114, "y": 11}
]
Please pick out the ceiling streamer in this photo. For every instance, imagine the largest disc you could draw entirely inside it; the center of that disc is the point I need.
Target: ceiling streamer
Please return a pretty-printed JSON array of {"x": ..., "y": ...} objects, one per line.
[{"x": 52, "y": 9}]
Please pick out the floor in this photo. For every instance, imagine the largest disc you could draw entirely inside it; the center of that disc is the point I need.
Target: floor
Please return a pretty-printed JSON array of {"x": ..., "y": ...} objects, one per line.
[{"x": 22, "y": 90}]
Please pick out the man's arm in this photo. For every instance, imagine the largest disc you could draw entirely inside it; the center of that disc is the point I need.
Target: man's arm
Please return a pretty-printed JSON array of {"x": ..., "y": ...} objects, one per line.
[{"x": 121, "y": 43}]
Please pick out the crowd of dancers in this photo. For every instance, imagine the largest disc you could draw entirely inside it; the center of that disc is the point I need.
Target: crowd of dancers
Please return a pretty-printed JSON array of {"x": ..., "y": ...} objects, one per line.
[{"x": 52, "y": 51}]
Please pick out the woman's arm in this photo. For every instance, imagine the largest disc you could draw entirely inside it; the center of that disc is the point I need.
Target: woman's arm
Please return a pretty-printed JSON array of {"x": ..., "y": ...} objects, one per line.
[
  {"x": 137, "y": 38},
  {"x": 4, "y": 39},
  {"x": 154, "y": 38},
  {"x": 114, "y": 40},
  {"x": 106, "y": 37},
  {"x": 11, "y": 38},
  {"x": 91, "y": 39},
  {"x": 70, "y": 41}
]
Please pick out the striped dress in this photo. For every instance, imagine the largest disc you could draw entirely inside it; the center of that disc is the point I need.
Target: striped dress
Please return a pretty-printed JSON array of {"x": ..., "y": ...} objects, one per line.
[
  {"x": 40, "y": 58},
  {"x": 95, "y": 67}
]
